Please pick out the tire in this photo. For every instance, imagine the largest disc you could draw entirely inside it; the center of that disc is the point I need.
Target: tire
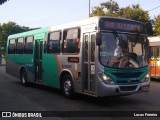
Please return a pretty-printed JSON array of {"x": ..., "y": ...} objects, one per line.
[
  {"x": 24, "y": 78},
  {"x": 67, "y": 87}
]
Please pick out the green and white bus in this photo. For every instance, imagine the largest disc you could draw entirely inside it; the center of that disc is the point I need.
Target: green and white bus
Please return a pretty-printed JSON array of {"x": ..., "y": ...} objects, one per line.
[{"x": 98, "y": 56}]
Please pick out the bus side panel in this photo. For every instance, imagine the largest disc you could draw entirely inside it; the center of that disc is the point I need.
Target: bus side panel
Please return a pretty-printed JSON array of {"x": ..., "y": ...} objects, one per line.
[
  {"x": 50, "y": 71},
  {"x": 16, "y": 62},
  {"x": 157, "y": 67},
  {"x": 73, "y": 68},
  {"x": 10, "y": 64}
]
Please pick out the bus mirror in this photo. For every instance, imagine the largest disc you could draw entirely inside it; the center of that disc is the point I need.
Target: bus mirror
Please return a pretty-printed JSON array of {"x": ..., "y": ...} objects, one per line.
[
  {"x": 149, "y": 28},
  {"x": 98, "y": 39}
]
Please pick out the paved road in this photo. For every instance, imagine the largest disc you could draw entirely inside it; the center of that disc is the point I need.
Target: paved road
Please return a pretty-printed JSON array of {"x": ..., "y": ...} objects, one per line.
[{"x": 15, "y": 97}]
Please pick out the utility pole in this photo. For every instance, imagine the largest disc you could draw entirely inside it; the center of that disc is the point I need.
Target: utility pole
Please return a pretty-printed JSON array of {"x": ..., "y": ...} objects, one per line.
[{"x": 89, "y": 7}]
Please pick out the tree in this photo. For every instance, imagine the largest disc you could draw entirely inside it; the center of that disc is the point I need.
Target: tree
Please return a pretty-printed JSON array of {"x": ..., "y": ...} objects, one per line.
[
  {"x": 7, "y": 29},
  {"x": 157, "y": 25},
  {"x": 3, "y": 1},
  {"x": 111, "y": 6},
  {"x": 97, "y": 11},
  {"x": 105, "y": 9},
  {"x": 135, "y": 13}
]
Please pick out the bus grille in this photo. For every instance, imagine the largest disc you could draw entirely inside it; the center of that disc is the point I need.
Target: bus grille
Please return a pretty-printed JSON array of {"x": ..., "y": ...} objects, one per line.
[
  {"x": 126, "y": 82},
  {"x": 126, "y": 75},
  {"x": 128, "y": 88}
]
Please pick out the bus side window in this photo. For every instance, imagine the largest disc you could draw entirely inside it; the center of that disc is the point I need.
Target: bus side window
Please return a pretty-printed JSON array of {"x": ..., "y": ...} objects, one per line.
[
  {"x": 53, "y": 45},
  {"x": 11, "y": 47},
  {"x": 71, "y": 41},
  {"x": 29, "y": 45},
  {"x": 158, "y": 52},
  {"x": 45, "y": 43},
  {"x": 20, "y": 46},
  {"x": 93, "y": 39}
]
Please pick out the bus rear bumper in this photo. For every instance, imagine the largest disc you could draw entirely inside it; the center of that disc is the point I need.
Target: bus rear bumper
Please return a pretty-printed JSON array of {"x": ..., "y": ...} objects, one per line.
[{"x": 113, "y": 90}]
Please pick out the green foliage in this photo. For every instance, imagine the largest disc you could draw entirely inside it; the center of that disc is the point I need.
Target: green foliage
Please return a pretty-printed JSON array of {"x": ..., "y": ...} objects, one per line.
[
  {"x": 105, "y": 9},
  {"x": 111, "y": 6},
  {"x": 7, "y": 29},
  {"x": 157, "y": 25},
  {"x": 98, "y": 11},
  {"x": 3, "y": 1},
  {"x": 135, "y": 13}
]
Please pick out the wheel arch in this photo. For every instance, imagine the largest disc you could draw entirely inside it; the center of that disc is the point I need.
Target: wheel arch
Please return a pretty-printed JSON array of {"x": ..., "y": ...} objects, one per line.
[
  {"x": 20, "y": 70},
  {"x": 63, "y": 73}
]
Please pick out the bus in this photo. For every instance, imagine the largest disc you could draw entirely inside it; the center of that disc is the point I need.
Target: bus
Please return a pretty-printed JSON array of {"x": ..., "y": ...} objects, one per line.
[
  {"x": 98, "y": 56},
  {"x": 154, "y": 44}
]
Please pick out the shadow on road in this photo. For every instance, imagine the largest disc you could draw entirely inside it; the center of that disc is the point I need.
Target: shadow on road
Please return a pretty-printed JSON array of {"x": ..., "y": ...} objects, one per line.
[
  {"x": 109, "y": 102},
  {"x": 155, "y": 79}
]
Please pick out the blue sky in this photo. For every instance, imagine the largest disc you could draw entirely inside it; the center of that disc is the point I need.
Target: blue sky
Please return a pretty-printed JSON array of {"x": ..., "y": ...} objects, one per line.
[{"x": 44, "y": 13}]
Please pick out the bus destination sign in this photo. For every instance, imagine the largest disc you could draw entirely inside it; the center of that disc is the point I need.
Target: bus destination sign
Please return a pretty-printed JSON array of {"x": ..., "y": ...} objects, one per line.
[{"x": 121, "y": 25}]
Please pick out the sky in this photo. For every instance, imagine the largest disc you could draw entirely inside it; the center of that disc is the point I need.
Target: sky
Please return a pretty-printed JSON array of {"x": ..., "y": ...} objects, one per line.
[{"x": 45, "y": 13}]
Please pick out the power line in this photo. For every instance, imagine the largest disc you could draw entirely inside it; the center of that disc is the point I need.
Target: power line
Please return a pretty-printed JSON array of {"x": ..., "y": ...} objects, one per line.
[{"x": 153, "y": 8}]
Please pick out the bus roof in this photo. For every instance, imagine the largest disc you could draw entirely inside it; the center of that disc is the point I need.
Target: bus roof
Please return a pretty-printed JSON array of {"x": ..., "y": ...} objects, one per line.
[
  {"x": 29, "y": 33},
  {"x": 88, "y": 21}
]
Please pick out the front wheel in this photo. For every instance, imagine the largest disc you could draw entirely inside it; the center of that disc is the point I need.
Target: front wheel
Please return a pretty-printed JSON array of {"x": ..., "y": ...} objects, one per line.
[
  {"x": 67, "y": 87},
  {"x": 24, "y": 78}
]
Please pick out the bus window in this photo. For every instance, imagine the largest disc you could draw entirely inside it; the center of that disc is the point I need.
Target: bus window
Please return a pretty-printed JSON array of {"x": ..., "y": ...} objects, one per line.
[
  {"x": 107, "y": 48},
  {"x": 137, "y": 50},
  {"x": 158, "y": 52},
  {"x": 29, "y": 45},
  {"x": 11, "y": 47},
  {"x": 93, "y": 39},
  {"x": 20, "y": 46},
  {"x": 71, "y": 41},
  {"x": 45, "y": 43},
  {"x": 54, "y": 42},
  {"x": 152, "y": 55}
]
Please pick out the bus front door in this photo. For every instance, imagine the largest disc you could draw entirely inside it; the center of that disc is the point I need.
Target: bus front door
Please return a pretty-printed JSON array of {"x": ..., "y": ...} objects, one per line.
[
  {"x": 89, "y": 63},
  {"x": 38, "y": 61}
]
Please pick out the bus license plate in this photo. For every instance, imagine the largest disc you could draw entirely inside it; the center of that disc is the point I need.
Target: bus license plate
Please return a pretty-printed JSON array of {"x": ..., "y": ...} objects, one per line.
[{"x": 145, "y": 87}]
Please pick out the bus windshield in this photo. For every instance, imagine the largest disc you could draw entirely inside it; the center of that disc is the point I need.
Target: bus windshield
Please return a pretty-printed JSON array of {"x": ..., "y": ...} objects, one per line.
[{"x": 121, "y": 50}]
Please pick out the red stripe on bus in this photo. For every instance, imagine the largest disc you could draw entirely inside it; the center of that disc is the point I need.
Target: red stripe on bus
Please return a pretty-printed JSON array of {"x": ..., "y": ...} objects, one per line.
[{"x": 57, "y": 60}]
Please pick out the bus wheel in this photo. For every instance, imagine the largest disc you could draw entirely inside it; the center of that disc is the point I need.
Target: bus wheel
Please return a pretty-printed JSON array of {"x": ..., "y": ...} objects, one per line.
[
  {"x": 24, "y": 78},
  {"x": 67, "y": 86}
]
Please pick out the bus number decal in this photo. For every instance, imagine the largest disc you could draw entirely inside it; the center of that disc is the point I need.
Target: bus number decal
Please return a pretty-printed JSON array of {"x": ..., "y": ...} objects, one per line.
[{"x": 66, "y": 66}]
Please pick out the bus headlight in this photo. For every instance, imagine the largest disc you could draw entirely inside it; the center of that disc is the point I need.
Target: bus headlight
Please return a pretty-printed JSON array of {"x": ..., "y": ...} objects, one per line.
[
  {"x": 105, "y": 78},
  {"x": 146, "y": 78}
]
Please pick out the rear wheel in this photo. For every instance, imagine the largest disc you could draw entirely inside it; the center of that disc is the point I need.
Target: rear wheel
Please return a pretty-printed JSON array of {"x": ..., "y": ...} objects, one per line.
[
  {"x": 24, "y": 78},
  {"x": 67, "y": 87}
]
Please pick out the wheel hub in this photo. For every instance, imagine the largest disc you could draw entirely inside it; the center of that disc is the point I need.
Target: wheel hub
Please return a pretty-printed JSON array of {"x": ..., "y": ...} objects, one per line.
[{"x": 67, "y": 86}]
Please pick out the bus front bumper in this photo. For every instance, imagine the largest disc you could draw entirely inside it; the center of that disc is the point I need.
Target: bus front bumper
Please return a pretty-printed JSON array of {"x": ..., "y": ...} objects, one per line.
[{"x": 104, "y": 89}]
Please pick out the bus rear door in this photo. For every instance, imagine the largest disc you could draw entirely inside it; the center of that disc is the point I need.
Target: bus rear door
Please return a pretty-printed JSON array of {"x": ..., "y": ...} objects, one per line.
[{"x": 38, "y": 60}]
